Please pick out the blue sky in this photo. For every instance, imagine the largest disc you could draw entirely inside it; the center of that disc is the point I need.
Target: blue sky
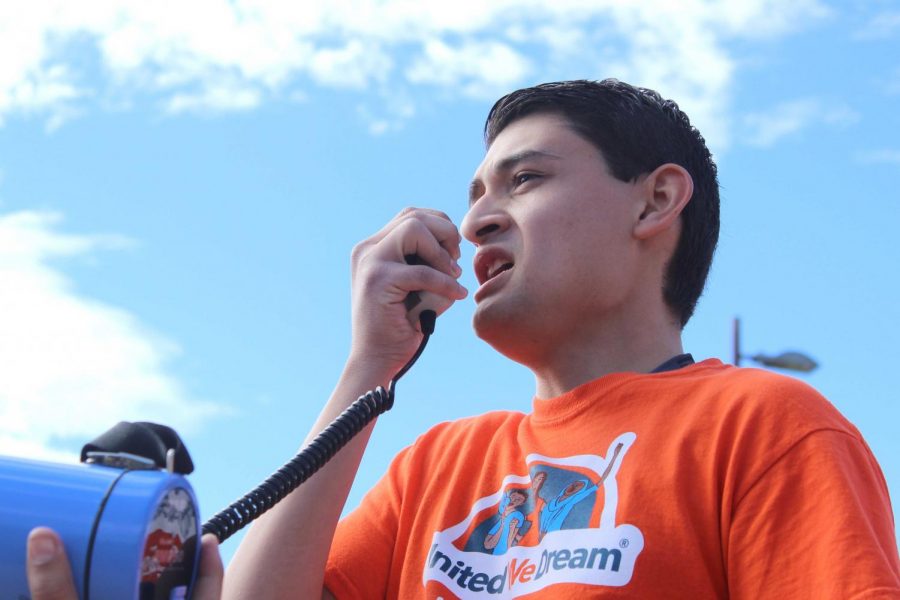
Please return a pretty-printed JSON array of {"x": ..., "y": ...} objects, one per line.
[{"x": 180, "y": 189}]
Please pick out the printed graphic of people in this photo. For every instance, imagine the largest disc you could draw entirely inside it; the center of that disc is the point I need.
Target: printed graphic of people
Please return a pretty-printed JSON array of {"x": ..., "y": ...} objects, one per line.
[
  {"x": 503, "y": 534},
  {"x": 537, "y": 482},
  {"x": 553, "y": 514}
]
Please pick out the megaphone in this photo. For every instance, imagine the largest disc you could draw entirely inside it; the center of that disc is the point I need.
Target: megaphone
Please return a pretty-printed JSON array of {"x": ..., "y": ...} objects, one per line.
[{"x": 127, "y": 516}]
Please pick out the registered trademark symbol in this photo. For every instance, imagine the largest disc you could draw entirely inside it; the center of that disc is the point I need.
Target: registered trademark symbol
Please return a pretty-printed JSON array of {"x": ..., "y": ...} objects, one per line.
[{"x": 623, "y": 543}]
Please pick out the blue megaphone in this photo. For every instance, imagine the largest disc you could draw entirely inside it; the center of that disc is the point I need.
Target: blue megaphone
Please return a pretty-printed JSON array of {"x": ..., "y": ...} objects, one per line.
[{"x": 127, "y": 516}]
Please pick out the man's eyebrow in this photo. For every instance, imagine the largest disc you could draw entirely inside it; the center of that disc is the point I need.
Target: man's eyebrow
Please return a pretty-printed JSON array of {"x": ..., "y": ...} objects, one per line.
[
  {"x": 512, "y": 160},
  {"x": 507, "y": 164}
]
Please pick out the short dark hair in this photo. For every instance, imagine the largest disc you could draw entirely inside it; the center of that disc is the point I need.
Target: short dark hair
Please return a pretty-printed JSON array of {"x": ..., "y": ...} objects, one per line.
[
  {"x": 522, "y": 492},
  {"x": 636, "y": 130}
]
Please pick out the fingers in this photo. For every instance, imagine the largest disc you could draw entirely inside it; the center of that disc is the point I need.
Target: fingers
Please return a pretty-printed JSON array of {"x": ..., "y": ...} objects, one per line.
[
  {"x": 429, "y": 234},
  {"x": 423, "y": 278},
  {"x": 440, "y": 224},
  {"x": 49, "y": 573},
  {"x": 209, "y": 579}
]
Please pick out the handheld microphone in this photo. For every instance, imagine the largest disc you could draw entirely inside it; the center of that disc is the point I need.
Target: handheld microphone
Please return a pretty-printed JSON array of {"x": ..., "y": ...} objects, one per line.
[{"x": 426, "y": 318}]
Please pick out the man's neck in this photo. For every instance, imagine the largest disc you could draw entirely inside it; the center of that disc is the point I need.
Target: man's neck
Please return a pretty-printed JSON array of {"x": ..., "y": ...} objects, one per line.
[{"x": 593, "y": 354}]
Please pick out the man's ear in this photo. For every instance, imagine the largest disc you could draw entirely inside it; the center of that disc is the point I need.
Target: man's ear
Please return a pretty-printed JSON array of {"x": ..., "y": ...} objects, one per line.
[{"x": 666, "y": 191}]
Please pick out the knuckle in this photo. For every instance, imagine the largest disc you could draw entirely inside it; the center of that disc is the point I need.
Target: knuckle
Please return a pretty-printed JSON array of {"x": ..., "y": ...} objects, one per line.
[
  {"x": 412, "y": 226},
  {"x": 358, "y": 254},
  {"x": 438, "y": 281},
  {"x": 378, "y": 271},
  {"x": 445, "y": 254},
  {"x": 358, "y": 251},
  {"x": 50, "y": 586},
  {"x": 369, "y": 276}
]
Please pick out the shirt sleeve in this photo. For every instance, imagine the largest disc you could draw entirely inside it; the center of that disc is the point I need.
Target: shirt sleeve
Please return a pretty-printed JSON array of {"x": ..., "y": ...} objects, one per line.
[
  {"x": 360, "y": 561},
  {"x": 816, "y": 524}
]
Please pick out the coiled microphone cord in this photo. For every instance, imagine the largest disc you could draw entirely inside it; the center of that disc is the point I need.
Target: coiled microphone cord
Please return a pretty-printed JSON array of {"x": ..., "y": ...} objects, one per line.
[{"x": 318, "y": 452}]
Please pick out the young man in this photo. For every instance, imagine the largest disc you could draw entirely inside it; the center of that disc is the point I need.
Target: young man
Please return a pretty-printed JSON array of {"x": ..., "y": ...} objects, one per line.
[{"x": 595, "y": 215}]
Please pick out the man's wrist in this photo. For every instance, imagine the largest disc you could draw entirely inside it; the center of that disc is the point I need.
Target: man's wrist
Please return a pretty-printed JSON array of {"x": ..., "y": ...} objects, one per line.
[{"x": 368, "y": 372}]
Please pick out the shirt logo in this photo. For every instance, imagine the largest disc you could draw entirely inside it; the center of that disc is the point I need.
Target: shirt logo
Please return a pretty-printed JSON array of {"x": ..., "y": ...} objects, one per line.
[{"x": 554, "y": 525}]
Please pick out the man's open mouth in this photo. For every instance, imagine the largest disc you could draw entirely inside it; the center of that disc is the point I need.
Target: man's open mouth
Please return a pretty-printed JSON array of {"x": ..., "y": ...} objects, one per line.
[
  {"x": 491, "y": 263},
  {"x": 496, "y": 270}
]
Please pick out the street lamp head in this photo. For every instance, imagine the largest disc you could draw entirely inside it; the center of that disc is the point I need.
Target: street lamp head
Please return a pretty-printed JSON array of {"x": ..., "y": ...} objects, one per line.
[{"x": 791, "y": 361}]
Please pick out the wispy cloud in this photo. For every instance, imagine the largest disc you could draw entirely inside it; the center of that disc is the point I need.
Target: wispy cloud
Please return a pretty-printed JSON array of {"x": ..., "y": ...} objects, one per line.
[
  {"x": 766, "y": 128},
  {"x": 234, "y": 55},
  {"x": 391, "y": 116},
  {"x": 882, "y": 26},
  {"x": 73, "y": 366}
]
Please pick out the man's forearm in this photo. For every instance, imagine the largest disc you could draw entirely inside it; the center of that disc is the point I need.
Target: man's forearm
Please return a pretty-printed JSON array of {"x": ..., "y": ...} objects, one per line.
[{"x": 284, "y": 552}]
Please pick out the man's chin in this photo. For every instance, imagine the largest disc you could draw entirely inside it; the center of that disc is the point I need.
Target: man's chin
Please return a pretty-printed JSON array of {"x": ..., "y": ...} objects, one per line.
[
  {"x": 499, "y": 325},
  {"x": 487, "y": 319}
]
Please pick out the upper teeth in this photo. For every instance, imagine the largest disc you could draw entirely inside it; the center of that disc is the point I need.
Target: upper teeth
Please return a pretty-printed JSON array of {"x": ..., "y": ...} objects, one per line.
[{"x": 497, "y": 267}]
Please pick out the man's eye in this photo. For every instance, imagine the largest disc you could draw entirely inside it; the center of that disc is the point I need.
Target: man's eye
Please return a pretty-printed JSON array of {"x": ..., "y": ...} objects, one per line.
[{"x": 523, "y": 178}]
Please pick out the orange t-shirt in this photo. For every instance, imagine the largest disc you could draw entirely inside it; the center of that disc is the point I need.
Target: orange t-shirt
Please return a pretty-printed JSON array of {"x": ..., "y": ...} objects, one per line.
[{"x": 708, "y": 481}]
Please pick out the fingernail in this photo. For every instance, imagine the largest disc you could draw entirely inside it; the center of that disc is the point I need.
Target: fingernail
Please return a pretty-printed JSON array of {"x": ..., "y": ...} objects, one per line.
[
  {"x": 43, "y": 548},
  {"x": 457, "y": 269}
]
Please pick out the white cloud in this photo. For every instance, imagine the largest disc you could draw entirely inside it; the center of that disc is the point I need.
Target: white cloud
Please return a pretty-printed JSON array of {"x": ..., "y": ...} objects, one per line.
[
  {"x": 788, "y": 118},
  {"x": 235, "y": 54},
  {"x": 218, "y": 98},
  {"x": 479, "y": 70},
  {"x": 354, "y": 65},
  {"x": 73, "y": 366}
]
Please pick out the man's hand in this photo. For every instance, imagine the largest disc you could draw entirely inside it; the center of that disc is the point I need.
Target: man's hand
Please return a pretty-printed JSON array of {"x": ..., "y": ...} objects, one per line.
[
  {"x": 50, "y": 576},
  {"x": 381, "y": 281}
]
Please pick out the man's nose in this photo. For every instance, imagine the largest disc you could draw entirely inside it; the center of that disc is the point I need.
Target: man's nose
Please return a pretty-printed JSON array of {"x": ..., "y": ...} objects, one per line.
[{"x": 482, "y": 221}]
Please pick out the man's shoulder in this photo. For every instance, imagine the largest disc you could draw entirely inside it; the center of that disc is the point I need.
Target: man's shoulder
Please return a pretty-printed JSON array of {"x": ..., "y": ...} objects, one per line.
[
  {"x": 768, "y": 400},
  {"x": 712, "y": 375}
]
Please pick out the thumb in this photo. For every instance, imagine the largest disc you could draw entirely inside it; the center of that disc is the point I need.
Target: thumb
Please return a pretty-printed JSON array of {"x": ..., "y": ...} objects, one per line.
[
  {"x": 49, "y": 573},
  {"x": 209, "y": 579}
]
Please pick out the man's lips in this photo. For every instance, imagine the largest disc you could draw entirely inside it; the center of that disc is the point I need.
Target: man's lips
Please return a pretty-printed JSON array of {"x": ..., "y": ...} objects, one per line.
[
  {"x": 490, "y": 262},
  {"x": 493, "y": 283}
]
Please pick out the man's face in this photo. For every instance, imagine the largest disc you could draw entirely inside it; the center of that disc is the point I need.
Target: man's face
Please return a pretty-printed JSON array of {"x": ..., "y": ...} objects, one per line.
[
  {"x": 573, "y": 487},
  {"x": 516, "y": 499},
  {"x": 556, "y": 254}
]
